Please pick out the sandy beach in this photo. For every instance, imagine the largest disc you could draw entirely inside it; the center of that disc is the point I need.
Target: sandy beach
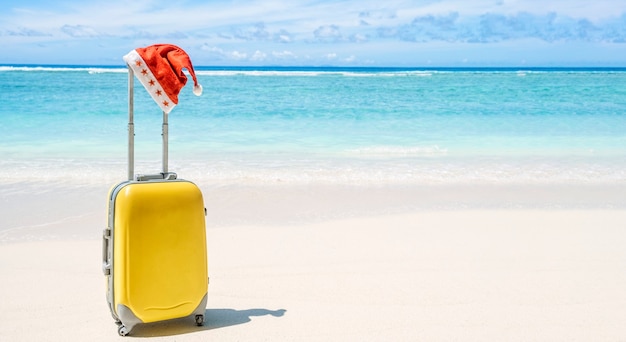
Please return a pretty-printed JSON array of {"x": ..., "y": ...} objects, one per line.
[{"x": 330, "y": 263}]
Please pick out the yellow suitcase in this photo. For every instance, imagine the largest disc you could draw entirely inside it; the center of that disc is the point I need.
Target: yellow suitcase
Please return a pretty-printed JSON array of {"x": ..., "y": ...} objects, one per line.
[{"x": 154, "y": 247}]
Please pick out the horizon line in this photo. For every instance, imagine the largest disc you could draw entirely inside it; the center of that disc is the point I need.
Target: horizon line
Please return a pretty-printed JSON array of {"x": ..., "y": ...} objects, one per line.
[{"x": 343, "y": 67}]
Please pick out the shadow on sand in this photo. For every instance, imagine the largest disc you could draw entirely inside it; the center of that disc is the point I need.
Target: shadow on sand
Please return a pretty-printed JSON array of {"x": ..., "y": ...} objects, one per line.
[{"x": 213, "y": 319}]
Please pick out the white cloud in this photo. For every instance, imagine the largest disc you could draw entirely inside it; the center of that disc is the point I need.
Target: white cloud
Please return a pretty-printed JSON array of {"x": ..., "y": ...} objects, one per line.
[
  {"x": 254, "y": 30},
  {"x": 284, "y": 54},
  {"x": 80, "y": 31},
  {"x": 25, "y": 32},
  {"x": 328, "y": 33},
  {"x": 236, "y": 55},
  {"x": 284, "y": 37},
  {"x": 212, "y": 49},
  {"x": 258, "y": 56},
  {"x": 493, "y": 27},
  {"x": 359, "y": 38}
]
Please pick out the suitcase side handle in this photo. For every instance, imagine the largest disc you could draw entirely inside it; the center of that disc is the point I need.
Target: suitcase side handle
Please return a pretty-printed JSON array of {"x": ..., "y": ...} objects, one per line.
[
  {"x": 131, "y": 130},
  {"x": 106, "y": 262}
]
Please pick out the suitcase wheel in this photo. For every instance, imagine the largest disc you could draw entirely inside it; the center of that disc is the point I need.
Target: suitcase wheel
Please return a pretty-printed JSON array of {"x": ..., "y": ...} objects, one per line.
[
  {"x": 122, "y": 330},
  {"x": 199, "y": 320}
]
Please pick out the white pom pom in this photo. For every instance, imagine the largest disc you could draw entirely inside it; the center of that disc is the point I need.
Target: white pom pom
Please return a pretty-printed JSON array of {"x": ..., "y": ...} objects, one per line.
[{"x": 197, "y": 90}]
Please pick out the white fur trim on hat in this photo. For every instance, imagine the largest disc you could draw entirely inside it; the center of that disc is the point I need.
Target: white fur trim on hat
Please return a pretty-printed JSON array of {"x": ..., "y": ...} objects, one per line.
[{"x": 149, "y": 81}]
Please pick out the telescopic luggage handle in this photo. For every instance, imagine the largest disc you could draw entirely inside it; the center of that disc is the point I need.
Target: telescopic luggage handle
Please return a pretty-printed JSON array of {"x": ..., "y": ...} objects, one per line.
[
  {"x": 131, "y": 136},
  {"x": 159, "y": 69}
]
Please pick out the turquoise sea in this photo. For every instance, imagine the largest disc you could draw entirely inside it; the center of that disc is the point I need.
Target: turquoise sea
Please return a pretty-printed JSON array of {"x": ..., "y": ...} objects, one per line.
[{"x": 371, "y": 126}]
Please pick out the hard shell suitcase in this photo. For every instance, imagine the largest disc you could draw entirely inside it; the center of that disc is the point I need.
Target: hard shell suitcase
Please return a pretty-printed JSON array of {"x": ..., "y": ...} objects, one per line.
[{"x": 154, "y": 247}]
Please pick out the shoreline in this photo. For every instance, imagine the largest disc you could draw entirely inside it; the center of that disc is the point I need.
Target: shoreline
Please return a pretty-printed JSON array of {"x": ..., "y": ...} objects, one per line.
[{"x": 40, "y": 211}]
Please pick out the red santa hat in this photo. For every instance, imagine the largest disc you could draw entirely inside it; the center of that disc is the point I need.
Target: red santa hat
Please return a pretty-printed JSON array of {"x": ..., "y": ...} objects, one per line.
[{"x": 160, "y": 69}]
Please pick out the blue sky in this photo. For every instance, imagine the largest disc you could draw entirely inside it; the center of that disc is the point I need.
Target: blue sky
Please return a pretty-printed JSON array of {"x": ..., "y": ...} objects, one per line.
[{"x": 312, "y": 33}]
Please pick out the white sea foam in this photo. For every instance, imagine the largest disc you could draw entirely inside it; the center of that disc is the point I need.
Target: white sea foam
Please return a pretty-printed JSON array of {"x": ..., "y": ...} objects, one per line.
[
  {"x": 297, "y": 73},
  {"x": 91, "y": 70},
  {"x": 399, "y": 151},
  {"x": 228, "y": 72},
  {"x": 396, "y": 170}
]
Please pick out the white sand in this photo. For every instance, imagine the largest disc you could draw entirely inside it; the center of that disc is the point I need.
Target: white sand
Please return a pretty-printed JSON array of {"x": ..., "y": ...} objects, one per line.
[{"x": 329, "y": 264}]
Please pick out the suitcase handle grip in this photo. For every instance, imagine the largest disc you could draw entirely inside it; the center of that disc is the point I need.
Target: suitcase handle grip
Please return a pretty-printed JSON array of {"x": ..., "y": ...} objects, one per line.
[
  {"x": 131, "y": 130},
  {"x": 106, "y": 263}
]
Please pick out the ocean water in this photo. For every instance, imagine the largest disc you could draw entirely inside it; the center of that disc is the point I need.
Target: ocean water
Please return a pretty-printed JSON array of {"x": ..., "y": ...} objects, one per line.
[{"x": 372, "y": 126}]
